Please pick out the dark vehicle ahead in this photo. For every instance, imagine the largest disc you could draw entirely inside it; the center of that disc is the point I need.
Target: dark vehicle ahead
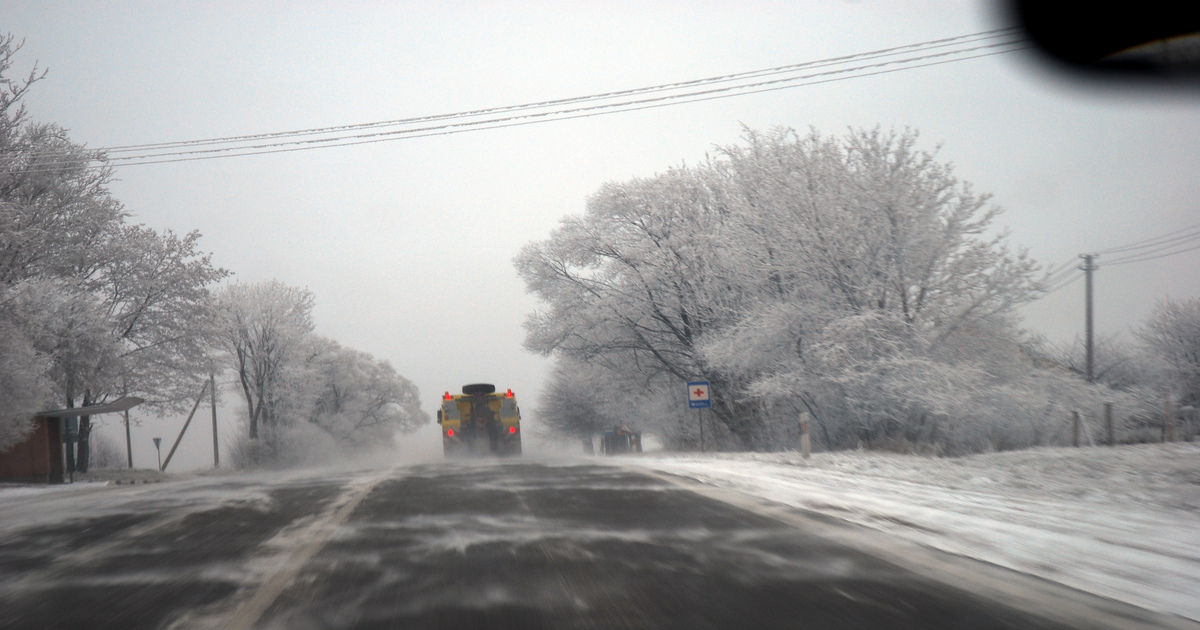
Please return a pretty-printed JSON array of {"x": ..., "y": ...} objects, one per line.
[
  {"x": 621, "y": 439},
  {"x": 480, "y": 422}
]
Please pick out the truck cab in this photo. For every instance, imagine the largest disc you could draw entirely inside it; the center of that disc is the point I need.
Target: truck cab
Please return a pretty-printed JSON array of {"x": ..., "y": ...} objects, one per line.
[{"x": 480, "y": 421}]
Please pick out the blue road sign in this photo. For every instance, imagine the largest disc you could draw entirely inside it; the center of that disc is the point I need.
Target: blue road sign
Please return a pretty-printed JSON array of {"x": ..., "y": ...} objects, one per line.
[{"x": 698, "y": 395}]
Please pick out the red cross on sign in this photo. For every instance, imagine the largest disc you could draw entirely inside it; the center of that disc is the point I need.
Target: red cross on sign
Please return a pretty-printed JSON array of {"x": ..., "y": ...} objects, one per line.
[{"x": 698, "y": 394}]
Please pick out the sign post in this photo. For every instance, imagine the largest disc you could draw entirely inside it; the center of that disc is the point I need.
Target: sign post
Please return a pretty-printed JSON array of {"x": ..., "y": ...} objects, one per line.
[
  {"x": 71, "y": 437},
  {"x": 157, "y": 443},
  {"x": 698, "y": 399}
]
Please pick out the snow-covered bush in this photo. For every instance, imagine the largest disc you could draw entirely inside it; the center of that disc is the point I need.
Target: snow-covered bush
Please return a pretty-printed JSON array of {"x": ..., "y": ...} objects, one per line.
[
  {"x": 1172, "y": 334},
  {"x": 105, "y": 453},
  {"x": 282, "y": 446}
]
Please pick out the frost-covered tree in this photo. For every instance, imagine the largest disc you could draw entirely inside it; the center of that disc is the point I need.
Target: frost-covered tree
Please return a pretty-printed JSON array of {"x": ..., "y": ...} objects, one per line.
[
  {"x": 159, "y": 311},
  {"x": 23, "y": 387},
  {"x": 307, "y": 397},
  {"x": 109, "y": 308},
  {"x": 578, "y": 399},
  {"x": 40, "y": 209},
  {"x": 1172, "y": 334},
  {"x": 852, "y": 277},
  {"x": 264, "y": 327},
  {"x": 55, "y": 208},
  {"x": 359, "y": 400},
  {"x": 70, "y": 328},
  {"x": 637, "y": 283}
]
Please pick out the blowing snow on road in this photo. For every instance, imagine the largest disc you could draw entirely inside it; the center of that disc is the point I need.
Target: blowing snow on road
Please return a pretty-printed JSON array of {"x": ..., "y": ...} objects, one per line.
[{"x": 495, "y": 544}]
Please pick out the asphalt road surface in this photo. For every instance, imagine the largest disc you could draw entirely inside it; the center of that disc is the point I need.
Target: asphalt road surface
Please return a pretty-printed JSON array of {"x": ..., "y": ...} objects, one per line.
[{"x": 509, "y": 544}]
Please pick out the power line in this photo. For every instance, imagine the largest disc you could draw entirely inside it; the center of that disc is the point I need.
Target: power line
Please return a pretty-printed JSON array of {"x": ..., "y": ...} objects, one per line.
[
  {"x": 1059, "y": 273},
  {"x": 344, "y": 140},
  {"x": 1136, "y": 258},
  {"x": 156, "y": 156},
  {"x": 1170, "y": 244},
  {"x": 883, "y": 52},
  {"x": 1064, "y": 284},
  {"x": 1189, "y": 233},
  {"x": 578, "y": 112}
]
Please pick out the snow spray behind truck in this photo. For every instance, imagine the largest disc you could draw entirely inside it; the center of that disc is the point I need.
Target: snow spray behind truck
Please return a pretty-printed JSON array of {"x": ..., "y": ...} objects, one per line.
[{"x": 480, "y": 422}]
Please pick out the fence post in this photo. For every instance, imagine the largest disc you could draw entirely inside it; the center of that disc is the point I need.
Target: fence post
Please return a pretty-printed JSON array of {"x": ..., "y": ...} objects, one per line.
[
  {"x": 1108, "y": 424},
  {"x": 1168, "y": 417},
  {"x": 1075, "y": 428}
]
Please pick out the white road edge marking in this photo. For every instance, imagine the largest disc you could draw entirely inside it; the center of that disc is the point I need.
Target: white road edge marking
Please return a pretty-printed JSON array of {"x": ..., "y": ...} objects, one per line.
[
  {"x": 1027, "y": 593},
  {"x": 318, "y": 534}
]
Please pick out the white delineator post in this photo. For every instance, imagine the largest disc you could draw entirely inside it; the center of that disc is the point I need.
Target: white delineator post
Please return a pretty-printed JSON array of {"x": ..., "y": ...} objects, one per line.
[{"x": 805, "y": 441}]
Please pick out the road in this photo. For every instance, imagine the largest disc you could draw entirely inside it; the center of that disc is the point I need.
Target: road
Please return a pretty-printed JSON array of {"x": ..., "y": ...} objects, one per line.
[{"x": 512, "y": 544}]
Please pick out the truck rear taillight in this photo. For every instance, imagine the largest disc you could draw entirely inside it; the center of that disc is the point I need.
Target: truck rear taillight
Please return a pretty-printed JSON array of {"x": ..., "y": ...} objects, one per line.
[
  {"x": 512, "y": 429},
  {"x": 449, "y": 432}
]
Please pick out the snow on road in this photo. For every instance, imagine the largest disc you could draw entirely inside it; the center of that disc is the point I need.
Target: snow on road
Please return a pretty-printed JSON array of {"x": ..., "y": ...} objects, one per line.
[{"x": 1122, "y": 522}]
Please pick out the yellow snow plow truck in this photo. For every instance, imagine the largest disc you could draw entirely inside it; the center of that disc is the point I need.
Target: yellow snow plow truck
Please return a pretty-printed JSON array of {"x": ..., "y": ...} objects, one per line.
[{"x": 480, "y": 422}]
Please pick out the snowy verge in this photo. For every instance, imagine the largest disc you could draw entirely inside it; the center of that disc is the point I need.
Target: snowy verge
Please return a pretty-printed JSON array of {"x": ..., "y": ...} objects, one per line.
[
  {"x": 24, "y": 490},
  {"x": 1123, "y": 522}
]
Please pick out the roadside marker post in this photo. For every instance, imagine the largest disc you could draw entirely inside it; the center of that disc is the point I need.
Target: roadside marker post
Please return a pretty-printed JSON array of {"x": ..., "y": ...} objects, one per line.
[
  {"x": 1108, "y": 423},
  {"x": 698, "y": 399},
  {"x": 805, "y": 440}
]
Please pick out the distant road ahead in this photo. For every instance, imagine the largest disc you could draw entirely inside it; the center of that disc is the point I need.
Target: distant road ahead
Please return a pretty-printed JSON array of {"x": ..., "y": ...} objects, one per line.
[{"x": 513, "y": 544}]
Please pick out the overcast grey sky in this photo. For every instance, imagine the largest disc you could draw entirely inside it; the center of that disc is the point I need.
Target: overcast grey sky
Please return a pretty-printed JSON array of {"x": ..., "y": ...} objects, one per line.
[{"x": 408, "y": 245}]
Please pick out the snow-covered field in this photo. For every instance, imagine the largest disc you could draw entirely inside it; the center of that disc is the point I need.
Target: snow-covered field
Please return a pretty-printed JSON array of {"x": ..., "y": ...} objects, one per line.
[{"x": 1119, "y": 522}]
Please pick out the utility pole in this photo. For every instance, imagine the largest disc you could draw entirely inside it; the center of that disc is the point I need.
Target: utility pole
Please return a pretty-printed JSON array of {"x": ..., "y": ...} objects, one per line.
[
  {"x": 1088, "y": 267},
  {"x": 212, "y": 389}
]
